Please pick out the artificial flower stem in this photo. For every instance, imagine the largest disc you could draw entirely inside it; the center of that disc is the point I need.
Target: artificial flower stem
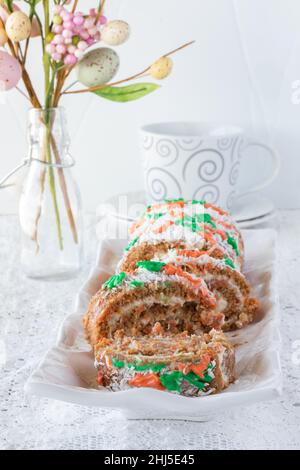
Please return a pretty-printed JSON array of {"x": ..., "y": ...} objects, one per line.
[
  {"x": 100, "y": 10},
  {"x": 22, "y": 93},
  {"x": 52, "y": 184},
  {"x": 64, "y": 190},
  {"x": 46, "y": 58},
  {"x": 124, "y": 80},
  {"x": 74, "y": 6},
  {"x": 31, "y": 14},
  {"x": 48, "y": 126}
]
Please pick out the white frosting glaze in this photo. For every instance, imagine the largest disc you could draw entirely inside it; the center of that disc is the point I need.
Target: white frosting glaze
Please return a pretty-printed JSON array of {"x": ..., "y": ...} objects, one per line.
[{"x": 165, "y": 227}]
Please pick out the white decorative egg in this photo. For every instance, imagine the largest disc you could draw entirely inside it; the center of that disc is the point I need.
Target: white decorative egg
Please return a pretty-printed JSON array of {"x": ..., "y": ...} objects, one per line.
[
  {"x": 98, "y": 67},
  {"x": 115, "y": 32},
  {"x": 4, "y": 12},
  {"x": 10, "y": 71},
  {"x": 18, "y": 26}
]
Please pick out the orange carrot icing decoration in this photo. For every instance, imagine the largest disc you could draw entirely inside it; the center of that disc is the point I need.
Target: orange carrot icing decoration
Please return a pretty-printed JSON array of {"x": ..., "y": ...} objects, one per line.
[
  {"x": 137, "y": 225},
  {"x": 224, "y": 224},
  {"x": 200, "y": 368},
  {"x": 192, "y": 253},
  {"x": 208, "y": 237},
  {"x": 174, "y": 204},
  {"x": 163, "y": 227},
  {"x": 146, "y": 380},
  {"x": 215, "y": 230},
  {"x": 207, "y": 205},
  {"x": 174, "y": 213},
  {"x": 171, "y": 269}
]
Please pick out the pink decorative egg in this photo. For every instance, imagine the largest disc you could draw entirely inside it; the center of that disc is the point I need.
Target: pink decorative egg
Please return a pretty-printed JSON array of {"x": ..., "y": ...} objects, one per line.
[
  {"x": 35, "y": 28},
  {"x": 10, "y": 71}
]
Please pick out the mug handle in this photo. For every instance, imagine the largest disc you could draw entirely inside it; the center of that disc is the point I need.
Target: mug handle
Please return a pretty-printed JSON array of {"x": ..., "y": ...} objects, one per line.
[{"x": 276, "y": 167}]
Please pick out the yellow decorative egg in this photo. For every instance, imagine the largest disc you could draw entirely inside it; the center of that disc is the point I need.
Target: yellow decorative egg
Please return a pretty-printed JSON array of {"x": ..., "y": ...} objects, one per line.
[
  {"x": 161, "y": 68},
  {"x": 115, "y": 32},
  {"x": 3, "y": 37},
  {"x": 18, "y": 26},
  {"x": 97, "y": 67}
]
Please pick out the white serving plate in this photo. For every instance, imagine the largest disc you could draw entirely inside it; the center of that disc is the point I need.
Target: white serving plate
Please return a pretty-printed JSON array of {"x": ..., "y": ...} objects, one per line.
[{"x": 67, "y": 372}]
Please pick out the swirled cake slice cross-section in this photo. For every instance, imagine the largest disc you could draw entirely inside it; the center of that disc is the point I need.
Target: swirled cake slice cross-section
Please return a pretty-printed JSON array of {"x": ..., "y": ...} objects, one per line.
[{"x": 192, "y": 366}]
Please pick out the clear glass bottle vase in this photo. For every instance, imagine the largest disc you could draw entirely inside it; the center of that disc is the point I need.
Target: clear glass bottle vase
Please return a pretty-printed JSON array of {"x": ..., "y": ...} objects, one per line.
[{"x": 50, "y": 204}]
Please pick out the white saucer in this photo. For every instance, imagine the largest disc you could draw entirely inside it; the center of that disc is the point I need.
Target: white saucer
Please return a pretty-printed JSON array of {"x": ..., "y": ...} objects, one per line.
[{"x": 249, "y": 209}]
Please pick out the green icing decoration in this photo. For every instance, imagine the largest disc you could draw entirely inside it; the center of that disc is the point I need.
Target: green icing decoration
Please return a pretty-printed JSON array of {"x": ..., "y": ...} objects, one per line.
[
  {"x": 139, "y": 367},
  {"x": 155, "y": 216},
  {"x": 172, "y": 381},
  {"x": 192, "y": 378},
  {"x": 231, "y": 241},
  {"x": 131, "y": 244},
  {"x": 195, "y": 201},
  {"x": 205, "y": 219},
  {"x": 137, "y": 284},
  {"x": 180, "y": 199},
  {"x": 154, "y": 266},
  {"x": 192, "y": 222},
  {"x": 118, "y": 364},
  {"x": 207, "y": 378},
  {"x": 188, "y": 221},
  {"x": 229, "y": 263},
  {"x": 145, "y": 367},
  {"x": 114, "y": 281}
]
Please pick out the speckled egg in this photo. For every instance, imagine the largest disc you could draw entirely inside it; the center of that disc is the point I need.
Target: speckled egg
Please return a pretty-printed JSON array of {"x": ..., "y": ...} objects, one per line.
[
  {"x": 161, "y": 68},
  {"x": 3, "y": 37},
  {"x": 18, "y": 26},
  {"x": 10, "y": 71},
  {"x": 4, "y": 13},
  {"x": 115, "y": 32},
  {"x": 98, "y": 67}
]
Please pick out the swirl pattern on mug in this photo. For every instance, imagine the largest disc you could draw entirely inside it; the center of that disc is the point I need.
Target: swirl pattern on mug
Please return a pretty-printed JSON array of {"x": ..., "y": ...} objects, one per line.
[
  {"x": 235, "y": 149},
  {"x": 207, "y": 163},
  {"x": 230, "y": 199},
  {"x": 190, "y": 145},
  {"x": 234, "y": 173},
  {"x": 225, "y": 143},
  {"x": 240, "y": 149},
  {"x": 167, "y": 150},
  {"x": 207, "y": 192},
  {"x": 162, "y": 185},
  {"x": 147, "y": 142}
]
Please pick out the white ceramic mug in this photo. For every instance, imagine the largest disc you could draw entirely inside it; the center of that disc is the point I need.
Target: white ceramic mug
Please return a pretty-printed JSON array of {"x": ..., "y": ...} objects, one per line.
[{"x": 198, "y": 161}]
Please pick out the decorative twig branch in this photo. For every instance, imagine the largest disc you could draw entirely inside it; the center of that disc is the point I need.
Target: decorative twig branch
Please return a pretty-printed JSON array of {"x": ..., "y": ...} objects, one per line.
[{"x": 124, "y": 80}]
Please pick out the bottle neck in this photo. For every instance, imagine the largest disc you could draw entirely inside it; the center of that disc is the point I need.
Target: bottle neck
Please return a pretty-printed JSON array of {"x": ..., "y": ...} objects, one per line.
[{"x": 48, "y": 137}]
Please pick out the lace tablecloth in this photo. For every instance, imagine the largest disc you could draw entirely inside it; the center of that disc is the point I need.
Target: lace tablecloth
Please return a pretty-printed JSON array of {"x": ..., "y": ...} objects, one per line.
[{"x": 30, "y": 313}]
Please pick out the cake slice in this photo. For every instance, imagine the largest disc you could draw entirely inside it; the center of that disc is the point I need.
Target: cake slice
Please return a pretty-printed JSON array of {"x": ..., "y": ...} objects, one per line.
[
  {"x": 134, "y": 303},
  {"x": 192, "y": 366},
  {"x": 186, "y": 225},
  {"x": 235, "y": 307}
]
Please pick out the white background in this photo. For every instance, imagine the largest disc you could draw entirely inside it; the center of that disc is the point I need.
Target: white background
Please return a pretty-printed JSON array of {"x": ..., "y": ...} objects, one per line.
[{"x": 241, "y": 70}]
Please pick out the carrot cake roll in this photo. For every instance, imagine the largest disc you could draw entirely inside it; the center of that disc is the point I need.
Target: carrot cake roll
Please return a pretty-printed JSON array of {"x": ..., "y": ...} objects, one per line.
[
  {"x": 183, "y": 225},
  {"x": 233, "y": 305},
  {"x": 132, "y": 303},
  {"x": 192, "y": 366}
]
